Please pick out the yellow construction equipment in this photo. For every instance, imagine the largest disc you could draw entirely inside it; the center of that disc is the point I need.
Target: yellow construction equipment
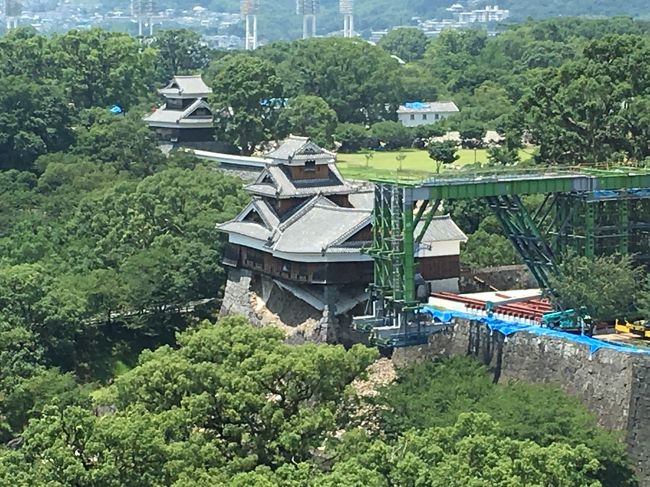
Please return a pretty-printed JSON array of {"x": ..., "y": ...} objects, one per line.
[{"x": 640, "y": 328}]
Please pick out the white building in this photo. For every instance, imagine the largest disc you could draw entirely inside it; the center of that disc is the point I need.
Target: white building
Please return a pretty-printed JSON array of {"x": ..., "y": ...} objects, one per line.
[{"x": 418, "y": 113}]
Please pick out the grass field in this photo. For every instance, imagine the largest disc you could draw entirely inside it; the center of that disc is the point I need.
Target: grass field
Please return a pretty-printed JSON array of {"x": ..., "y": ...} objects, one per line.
[{"x": 416, "y": 165}]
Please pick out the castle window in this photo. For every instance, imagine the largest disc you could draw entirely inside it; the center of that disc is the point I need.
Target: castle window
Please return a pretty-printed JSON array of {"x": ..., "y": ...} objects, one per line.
[{"x": 310, "y": 166}]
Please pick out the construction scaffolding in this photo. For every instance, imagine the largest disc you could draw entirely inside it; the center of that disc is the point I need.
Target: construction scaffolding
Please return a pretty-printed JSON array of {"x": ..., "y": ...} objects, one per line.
[{"x": 587, "y": 211}]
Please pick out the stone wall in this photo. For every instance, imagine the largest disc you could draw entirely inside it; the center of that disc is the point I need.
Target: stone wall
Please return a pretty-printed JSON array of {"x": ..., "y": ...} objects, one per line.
[
  {"x": 638, "y": 421},
  {"x": 614, "y": 385},
  {"x": 263, "y": 303},
  {"x": 504, "y": 277}
]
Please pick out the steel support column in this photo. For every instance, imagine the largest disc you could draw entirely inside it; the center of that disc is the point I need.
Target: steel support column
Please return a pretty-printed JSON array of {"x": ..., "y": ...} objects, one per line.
[
  {"x": 590, "y": 229},
  {"x": 623, "y": 226},
  {"x": 408, "y": 250}
]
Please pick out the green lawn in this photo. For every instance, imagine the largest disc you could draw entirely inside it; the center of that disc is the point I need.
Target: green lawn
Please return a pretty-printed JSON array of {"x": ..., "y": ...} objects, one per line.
[{"x": 416, "y": 165}]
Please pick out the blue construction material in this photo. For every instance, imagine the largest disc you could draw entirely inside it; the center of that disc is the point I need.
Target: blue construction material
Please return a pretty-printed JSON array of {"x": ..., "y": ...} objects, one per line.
[{"x": 508, "y": 328}]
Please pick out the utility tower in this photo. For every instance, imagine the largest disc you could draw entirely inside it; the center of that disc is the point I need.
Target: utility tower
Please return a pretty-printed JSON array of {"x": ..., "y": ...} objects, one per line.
[
  {"x": 12, "y": 10},
  {"x": 142, "y": 11},
  {"x": 308, "y": 9},
  {"x": 249, "y": 9},
  {"x": 346, "y": 7}
]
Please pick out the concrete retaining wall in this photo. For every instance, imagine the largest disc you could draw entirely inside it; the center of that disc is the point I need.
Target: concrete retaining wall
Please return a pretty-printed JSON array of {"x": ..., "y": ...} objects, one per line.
[{"x": 614, "y": 385}]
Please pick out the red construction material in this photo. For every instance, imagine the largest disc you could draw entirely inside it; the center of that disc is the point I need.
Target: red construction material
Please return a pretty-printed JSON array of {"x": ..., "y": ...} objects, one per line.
[{"x": 529, "y": 310}]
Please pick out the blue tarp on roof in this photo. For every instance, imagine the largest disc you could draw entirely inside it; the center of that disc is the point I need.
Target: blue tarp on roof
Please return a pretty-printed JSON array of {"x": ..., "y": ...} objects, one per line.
[
  {"x": 508, "y": 328},
  {"x": 417, "y": 105}
]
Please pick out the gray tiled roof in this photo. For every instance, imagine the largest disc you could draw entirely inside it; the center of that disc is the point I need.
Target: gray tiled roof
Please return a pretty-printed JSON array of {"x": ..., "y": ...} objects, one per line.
[
  {"x": 442, "y": 228},
  {"x": 163, "y": 115},
  {"x": 362, "y": 199},
  {"x": 300, "y": 149},
  {"x": 267, "y": 213},
  {"x": 248, "y": 229},
  {"x": 282, "y": 187},
  {"x": 430, "y": 107},
  {"x": 320, "y": 226},
  {"x": 314, "y": 228},
  {"x": 186, "y": 86}
]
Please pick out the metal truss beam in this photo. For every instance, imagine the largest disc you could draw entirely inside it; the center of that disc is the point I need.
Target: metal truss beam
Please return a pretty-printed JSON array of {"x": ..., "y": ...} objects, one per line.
[{"x": 525, "y": 236}]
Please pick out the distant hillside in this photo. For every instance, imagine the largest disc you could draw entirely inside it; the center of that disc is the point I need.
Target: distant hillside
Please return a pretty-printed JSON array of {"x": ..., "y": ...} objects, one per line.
[
  {"x": 278, "y": 19},
  {"x": 522, "y": 9}
]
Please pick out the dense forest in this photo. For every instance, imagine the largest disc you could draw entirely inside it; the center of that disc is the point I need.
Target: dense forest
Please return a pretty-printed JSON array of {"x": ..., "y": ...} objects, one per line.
[{"x": 105, "y": 241}]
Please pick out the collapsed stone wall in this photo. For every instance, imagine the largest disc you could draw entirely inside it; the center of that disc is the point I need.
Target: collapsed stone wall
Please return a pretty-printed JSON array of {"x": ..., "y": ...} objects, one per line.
[
  {"x": 259, "y": 300},
  {"x": 614, "y": 385}
]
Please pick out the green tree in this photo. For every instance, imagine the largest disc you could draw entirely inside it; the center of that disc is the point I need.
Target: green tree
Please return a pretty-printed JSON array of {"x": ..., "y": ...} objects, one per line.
[
  {"x": 125, "y": 143},
  {"x": 472, "y": 133},
  {"x": 605, "y": 285},
  {"x": 246, "y": 91},
  {"x": 230, "y": 398},
  {"x": 406, "y": 405},
  {"x": 358, "y": 92},
  {"x": 35, "y": 119},
  {"x": 443, "y": 153},
  {"x": 352, "y": 137},
  {"x": 180, "y": 51},
  {"x": 406, "y": 43},
  {"x": 484, "y": 249},
  {"x": 392, "y": 135},
  {"x": 100, "y": 68},
  {"x": 501, "y": 155},
  {"x": 309, "y": 116}
]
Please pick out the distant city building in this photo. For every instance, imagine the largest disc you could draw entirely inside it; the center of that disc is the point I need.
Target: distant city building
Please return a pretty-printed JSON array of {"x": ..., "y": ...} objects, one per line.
[
  {"x": 462, "y": 18},
  {"x": 185, "y": 116},
  {"x": 420, "y": 113},
  {"x": 491, "y": 13}
]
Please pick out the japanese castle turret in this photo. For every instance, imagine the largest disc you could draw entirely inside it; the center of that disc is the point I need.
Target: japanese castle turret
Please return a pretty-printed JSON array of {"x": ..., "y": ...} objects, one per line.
[
  {"x": 307, "y": 225},
  {"x": 186, "y": 115}
]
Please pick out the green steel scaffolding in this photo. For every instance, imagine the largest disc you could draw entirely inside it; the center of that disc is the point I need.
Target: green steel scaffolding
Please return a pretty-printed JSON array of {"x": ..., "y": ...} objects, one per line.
[{"x": 588, "y": 211}]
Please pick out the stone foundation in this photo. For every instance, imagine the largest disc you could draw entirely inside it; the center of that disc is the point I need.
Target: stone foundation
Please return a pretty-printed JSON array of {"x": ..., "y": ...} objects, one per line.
[{"x": 259, "y": 299}]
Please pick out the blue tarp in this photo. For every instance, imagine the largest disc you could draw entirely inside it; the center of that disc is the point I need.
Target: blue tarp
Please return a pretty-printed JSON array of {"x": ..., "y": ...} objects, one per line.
[
  {"x": 416, "y": 105},
  {"x": 508, "y": 328},
  {"x": 116, "y": 109}
]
